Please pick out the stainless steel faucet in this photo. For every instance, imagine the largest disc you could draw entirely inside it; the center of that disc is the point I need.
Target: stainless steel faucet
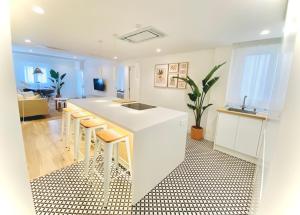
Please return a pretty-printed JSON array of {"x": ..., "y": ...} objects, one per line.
[{"x": 244, "y": 103}]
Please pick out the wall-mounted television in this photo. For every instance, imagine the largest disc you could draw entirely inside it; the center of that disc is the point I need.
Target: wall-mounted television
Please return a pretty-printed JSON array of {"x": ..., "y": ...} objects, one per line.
[{"x": 99, "y": 84}]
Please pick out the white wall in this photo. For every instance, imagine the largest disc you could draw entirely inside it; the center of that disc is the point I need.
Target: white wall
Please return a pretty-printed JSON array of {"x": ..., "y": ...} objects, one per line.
[
  {"x": 281, "y": 193},
  {"x": 200, "y": 63},
  {"x": 15, "y": 192},
  {"x": 98, "y": 68},
  {"x": 218, "y": 92},
  {"x": 62, "y": 65}
]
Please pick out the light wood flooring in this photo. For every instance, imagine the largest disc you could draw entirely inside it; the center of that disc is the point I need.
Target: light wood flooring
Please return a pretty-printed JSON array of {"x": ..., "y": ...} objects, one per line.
[{"x": 45, "y": 152}]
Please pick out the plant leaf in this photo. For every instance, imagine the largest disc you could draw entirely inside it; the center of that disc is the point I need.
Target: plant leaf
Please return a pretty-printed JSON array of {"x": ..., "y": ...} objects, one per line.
[
  {"x": 191, "y": 106},
  {"x": 193, "y": 97},
  {"x": 62, "y": 76},
  {"x": 192, "y": 84},
  {"x": 61, "y": 84},
  {"x": 211, "y": 73},
  {"x": 51, "y": 79},
  {"x": 206, "y": 106},
  {"x": 54, "y": 75},
  {"x": 209, "y": 84}
]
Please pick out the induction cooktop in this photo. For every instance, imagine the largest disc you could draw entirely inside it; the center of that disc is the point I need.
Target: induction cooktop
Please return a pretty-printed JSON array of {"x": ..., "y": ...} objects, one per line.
[{"x": 138, "y": 106}]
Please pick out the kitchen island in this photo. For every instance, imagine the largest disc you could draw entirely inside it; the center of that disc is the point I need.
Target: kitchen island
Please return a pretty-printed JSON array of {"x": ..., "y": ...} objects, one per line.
[{"x": 157, "y": 136}]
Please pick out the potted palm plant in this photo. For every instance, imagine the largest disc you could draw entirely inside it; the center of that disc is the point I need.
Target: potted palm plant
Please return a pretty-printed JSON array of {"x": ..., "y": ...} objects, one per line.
[
  {"x": 197, "y": 97},
  {"x": 57, "y": 81}
]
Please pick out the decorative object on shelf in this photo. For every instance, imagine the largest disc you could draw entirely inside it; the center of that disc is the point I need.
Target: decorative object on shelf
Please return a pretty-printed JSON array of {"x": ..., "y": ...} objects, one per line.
[
  {"x": 161, "y": 75},
  {"x": 57, "y": 81},
  {"x": 182, "y": 72},
  {"x": 197, "y": 96}
]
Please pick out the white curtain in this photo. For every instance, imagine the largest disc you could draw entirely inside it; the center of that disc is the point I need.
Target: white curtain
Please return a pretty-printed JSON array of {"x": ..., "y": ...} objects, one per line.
[{"x": 254, "y": 72}]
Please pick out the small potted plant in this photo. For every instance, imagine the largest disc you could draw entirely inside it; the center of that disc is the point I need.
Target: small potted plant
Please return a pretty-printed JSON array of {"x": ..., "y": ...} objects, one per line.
[
  {"x": 197, "y": 97},
  {"x": 57, "y": 81}
]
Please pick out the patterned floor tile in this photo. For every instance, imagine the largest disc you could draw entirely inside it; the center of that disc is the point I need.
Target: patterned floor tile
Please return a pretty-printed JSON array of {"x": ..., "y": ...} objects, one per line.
[{"x": 208, "y": 182}]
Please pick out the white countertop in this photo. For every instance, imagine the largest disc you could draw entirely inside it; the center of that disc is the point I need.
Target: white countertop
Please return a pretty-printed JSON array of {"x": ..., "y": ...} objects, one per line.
[{"x": 129, "y": 119}]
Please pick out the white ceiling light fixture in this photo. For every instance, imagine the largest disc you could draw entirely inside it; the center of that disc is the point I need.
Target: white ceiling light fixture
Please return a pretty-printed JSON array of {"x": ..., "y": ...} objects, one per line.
[
  {"x": 158, "y": 50},
  {"x": 74, "y": 57},
  {"x": 27, "y": 41},
  {"x": 38, "y": 10},
  {"x": 115, "y": 58},
  {"x": 265, "y": 32}
]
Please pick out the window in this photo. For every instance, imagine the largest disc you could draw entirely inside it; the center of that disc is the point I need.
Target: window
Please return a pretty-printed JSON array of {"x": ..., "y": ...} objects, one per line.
[
  {"x": 31, "y": 78},
  {"x": 254, "y": 71}
]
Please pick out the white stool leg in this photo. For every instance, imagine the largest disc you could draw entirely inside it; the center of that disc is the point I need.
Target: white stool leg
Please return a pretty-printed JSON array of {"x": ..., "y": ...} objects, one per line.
[
  {"x": 67, "y": 139},
  {"x": 76, "y": 142},
  {"x": 128, "y": 154},
  {"x": 62, "y": 126},
  {"x": 116, "y": 153},
  {"x": 87, "y": 150},
  {"x": 96, "y": 153},
  {"x": 107, "y": 164},
  {"x": 94, "y": 135}
]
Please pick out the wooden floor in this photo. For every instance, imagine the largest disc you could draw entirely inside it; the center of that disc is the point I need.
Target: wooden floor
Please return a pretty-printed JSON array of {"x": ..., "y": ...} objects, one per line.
[{"x": 45, "y": 152}]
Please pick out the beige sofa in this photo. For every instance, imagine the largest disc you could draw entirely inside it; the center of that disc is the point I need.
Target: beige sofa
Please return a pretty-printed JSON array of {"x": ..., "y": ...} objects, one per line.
[{"x": 32, "y": 105}]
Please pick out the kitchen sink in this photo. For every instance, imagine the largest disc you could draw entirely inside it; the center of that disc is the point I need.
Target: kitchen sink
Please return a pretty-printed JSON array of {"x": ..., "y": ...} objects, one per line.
[{"x": 242, "y": 110}]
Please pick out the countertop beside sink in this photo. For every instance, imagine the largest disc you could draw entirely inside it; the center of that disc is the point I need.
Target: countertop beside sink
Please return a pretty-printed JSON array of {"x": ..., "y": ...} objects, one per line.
[{"x": 257, "y": 115}]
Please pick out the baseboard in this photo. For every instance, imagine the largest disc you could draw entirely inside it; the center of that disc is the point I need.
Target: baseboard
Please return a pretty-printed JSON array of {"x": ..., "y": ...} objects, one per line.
[{"x": 236, "y": 154}]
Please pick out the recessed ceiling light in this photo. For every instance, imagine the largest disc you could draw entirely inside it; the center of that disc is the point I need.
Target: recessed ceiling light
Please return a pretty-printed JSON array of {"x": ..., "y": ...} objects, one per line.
[
  {"x": 115, "y": 57},
  {"x": 74, "y": 57},
  {"x": 265, "y": 32},
  {"x": 27, "y": 41},
  {"x": 158, "y": 50},
  {"x": 38, "y": 10}
]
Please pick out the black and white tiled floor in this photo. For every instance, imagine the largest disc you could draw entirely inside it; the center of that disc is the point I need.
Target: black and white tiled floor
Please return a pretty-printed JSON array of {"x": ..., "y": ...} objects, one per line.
[{"x": 208, "y": 182}]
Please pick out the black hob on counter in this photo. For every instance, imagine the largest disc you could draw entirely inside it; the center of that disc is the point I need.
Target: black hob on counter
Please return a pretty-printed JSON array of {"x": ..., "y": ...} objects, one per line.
[{"x": 138, "y": 106}]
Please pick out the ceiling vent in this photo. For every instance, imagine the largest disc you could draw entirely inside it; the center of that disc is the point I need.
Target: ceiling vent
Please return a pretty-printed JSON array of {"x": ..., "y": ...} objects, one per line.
[{"x": 142, "y": 35}]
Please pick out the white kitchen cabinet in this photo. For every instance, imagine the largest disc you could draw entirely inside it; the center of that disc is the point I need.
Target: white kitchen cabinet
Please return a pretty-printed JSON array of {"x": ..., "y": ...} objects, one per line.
[
  {"x": 226, "y": 130},
  {"x": 248, "y": 134},
  {"x": 238, "y": 134}
]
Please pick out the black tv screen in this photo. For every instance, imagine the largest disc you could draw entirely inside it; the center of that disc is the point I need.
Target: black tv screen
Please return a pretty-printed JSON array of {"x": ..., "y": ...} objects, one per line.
[{"x": 99, "y": 84}]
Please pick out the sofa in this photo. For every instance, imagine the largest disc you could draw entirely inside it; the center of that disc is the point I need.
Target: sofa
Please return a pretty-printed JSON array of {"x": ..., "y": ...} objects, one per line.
[{"x": 32, "y": 105}]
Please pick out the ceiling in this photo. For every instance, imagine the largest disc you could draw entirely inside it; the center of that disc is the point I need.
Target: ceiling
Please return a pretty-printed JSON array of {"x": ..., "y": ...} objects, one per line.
[{"x": 91, "y": 27}]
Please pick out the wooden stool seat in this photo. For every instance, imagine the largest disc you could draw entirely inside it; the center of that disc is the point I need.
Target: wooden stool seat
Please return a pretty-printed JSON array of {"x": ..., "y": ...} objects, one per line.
[
  {"x": 109, "y": 135},
  {"x": 91, "y": 123},
  {"x": 68, "y": 110},
  {"x": 80, "y": 114}
]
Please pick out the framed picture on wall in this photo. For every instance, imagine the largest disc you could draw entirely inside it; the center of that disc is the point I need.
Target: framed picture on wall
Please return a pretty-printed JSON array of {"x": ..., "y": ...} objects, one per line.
[
  {"x": 172, "y": 82},
  {"x": 161, "y": 75},
  {"x": 182, "y": 72},
  {"x": 183, "y": 69},
  {"x": 173, "y": 68}
]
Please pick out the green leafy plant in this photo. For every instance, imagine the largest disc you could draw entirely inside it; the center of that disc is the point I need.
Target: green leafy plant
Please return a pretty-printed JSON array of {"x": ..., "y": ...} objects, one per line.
[
  {"x": 198, "y": 93},
  {"x": 57, "y": 81}
]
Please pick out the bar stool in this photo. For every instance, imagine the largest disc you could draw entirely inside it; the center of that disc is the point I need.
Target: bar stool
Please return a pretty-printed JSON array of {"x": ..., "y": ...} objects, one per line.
[
  {"x": 89, "y": 126},
  {"x": 66, "y": 123},
  {"x": 110, "y": 138},
  {"x": 75, "y": 118}
]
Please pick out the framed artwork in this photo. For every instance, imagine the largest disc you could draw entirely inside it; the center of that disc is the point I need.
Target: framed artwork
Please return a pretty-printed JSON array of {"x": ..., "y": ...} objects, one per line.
[
  {"x": 172, "y": 82},
  {"x": 181, "y": 84},
  {"x": 161, "y": 75},
  {"x": 183, "y": 69},
  {"x": 182, "y": 72},
  {"x": 173, "y": 68}
]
